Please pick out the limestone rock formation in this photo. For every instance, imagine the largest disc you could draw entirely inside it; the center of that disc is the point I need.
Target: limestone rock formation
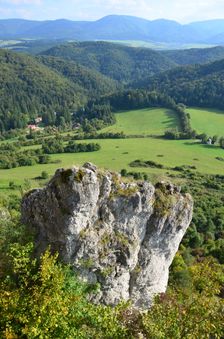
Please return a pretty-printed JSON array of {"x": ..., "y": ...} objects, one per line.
[{"x": 122, "y": 235}]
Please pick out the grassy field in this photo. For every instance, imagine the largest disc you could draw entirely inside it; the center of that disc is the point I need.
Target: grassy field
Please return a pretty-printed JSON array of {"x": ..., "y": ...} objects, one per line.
[
  {"x": 116, "y": 154},
  {"x": 209, "y": 121},
  {"x": 148, "y": 121}
]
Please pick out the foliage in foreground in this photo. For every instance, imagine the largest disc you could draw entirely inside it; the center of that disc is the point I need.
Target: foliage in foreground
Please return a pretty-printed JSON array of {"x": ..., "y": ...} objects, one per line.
[
  {"x": 195, "y": 311},
  {"x": 49, "y": 302},
  {"x": 46, "y": 300}
]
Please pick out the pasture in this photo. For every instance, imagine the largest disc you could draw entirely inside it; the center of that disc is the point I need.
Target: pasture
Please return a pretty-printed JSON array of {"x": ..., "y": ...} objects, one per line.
[
  {"x": 209, "y": 121},
  {"x": 117, "y": 154},
  {"x": 148, "y": 121}
]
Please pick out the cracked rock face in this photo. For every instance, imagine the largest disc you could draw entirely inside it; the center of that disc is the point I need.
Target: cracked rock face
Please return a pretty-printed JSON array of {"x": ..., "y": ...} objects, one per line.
[{"x": 122, "y": 235}]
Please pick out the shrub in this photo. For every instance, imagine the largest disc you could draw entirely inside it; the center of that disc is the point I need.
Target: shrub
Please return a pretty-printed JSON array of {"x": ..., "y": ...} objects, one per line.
[{"x": 44, "y": 175}]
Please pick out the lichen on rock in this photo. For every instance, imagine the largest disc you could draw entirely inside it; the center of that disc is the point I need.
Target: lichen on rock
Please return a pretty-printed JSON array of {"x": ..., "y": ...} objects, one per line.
[{"x": 121, "y": 235}]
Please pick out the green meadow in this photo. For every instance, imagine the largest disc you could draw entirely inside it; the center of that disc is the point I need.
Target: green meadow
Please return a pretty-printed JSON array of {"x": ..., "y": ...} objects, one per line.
[
  {"x": 116, "y": 154},
  {"x": 209, "y": 121},
  {"x": 148, "y": 121}
]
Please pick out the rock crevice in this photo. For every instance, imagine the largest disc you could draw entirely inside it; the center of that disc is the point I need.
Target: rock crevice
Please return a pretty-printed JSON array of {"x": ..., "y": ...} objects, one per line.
[{"x": 122, "y": 235}]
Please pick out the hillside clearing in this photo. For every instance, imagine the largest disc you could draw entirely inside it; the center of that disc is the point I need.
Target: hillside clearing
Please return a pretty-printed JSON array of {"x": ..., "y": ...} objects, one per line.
[
  {"x": 209, "y": 121},
  {"x": 148, "y": 121}
]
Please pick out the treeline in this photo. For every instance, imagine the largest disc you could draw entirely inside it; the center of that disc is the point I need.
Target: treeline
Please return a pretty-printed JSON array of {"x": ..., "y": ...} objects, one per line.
[
  {"x": 21, "y": 135},
  {"x": 95, "y": 115},
  {"x": 133, "y": 99},
  {"x": 136, "y": 99},
  {"x": 153, "y": 164},
  {"x": 40, "y": 139},
  {"x": 12, "y": 155},
  {"x": 211, "y": 140},
  {"x": 205, "y": 139},
  {"x": 105, "y": 135},
  {"x": 56, "y": 145}
]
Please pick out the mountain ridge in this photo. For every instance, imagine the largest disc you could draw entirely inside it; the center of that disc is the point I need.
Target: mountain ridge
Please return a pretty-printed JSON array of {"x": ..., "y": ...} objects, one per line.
[{"x": 115, "y": 27}]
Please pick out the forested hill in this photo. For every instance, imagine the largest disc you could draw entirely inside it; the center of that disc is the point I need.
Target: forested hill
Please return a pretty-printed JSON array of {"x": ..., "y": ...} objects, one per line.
[
  {"x": 92, "y": 82},
  {"x": 118, "y": 62},
  {"x": 175, "y": 57},
  {"x": 66, "y": 77},
  {"x": 195, "y": 55},
  {"x": 30, "y": 88},
  {"x": 198, "y": 85}
]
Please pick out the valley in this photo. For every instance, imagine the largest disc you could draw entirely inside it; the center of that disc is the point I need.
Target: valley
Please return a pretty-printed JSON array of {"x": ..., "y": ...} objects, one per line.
[
  {"x": 144, "y": 122},
  {"x": 144, "y": 129}
]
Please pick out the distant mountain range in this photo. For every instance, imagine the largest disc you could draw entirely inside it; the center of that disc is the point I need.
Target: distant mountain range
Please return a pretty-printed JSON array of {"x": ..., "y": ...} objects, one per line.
[{"x": 116, "y": 27}]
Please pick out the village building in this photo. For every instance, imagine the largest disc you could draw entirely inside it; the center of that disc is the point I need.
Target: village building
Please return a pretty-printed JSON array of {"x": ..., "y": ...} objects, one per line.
[
  {"x": 209, "y": 141},
  {"x": 38, "y": 120}
]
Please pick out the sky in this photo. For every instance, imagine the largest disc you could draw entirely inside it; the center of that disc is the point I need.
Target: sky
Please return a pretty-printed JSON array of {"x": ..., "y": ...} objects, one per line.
[{"x": 183, "y": 11}]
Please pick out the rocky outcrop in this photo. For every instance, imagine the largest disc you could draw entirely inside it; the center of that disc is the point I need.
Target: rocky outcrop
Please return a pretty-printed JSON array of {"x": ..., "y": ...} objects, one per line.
[{"x": 122, "y": 235}]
